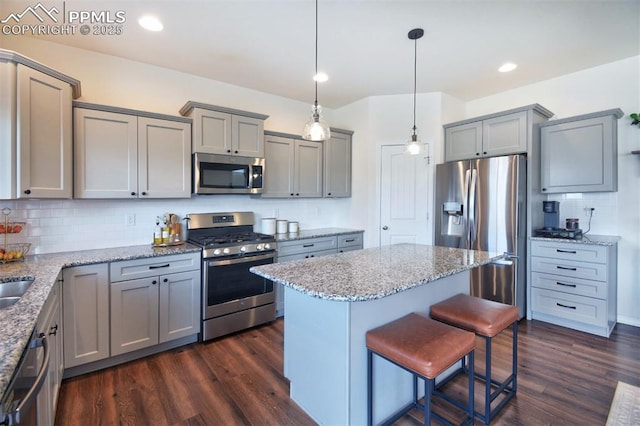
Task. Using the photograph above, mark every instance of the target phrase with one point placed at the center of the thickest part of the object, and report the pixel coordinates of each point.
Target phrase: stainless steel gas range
(232, 297)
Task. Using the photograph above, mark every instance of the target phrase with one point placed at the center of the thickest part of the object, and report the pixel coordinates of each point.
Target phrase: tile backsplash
(67, 225)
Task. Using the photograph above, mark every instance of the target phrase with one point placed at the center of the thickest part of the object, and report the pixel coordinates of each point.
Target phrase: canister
(293, 227)
(281, 226)
(268, 225)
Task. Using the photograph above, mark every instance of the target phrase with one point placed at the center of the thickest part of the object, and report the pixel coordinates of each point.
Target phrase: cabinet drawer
(308, 255)
(287, 248)
(349, 240)
(589, 288)
(569, 251)
(569, 306)
(153, 266)
(568, 268)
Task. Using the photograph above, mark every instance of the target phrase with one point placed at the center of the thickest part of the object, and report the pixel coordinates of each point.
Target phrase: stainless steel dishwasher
(19, 403)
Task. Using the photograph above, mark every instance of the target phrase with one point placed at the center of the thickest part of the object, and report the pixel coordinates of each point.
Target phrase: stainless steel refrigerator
(481, 205)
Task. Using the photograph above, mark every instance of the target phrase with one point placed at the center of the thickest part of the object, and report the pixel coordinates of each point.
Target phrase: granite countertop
(601, 240)
(315, 233)
(373, 273)
(17, 321)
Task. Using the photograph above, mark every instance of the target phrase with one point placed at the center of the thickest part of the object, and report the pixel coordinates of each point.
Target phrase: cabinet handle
(297, 195)
(166, 280)
(565, 306)
(154, 282)
(350, 240)
(292, 194)
(544, 189)
(144, 193)
(311, 255)
(235, 152)
(229, 151)
(565, 285)
(565, 268)
(53, 330)
(329, 194)
(485, 153)
(308, 245)
(133, 193)
(566, 251)
(306, 257)
(477, 153)
(166, 265)
(27, 191)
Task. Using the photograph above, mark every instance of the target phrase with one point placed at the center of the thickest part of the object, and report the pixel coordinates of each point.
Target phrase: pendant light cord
(415, 79)
(315, 77)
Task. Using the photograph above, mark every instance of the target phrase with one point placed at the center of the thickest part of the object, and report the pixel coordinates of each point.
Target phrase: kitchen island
(332, 301)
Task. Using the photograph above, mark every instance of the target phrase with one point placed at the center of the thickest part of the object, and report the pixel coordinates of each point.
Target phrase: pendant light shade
(316, 129)
(414, 146)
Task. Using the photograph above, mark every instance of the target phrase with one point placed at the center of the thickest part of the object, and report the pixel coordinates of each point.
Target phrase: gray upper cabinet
(130, 154)
(507, 132)
(337, 164)
(580, 154)
(35, 129)
(220, 130)
(293, 167)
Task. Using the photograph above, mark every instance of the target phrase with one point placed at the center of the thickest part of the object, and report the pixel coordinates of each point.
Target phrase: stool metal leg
(369, 387)
(514, 349)
(471, 374)
(429, 384)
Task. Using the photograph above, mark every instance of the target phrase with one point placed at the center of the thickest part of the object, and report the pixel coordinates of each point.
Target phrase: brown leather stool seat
(425, 348)
(487, 319)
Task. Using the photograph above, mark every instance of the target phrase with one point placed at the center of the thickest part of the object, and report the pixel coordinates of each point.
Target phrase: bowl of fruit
(14, 252)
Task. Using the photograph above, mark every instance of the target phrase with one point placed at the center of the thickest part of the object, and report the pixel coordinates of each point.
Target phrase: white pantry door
(404, 196)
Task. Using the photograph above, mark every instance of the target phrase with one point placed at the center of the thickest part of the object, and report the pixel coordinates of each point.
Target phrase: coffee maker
(552, 228)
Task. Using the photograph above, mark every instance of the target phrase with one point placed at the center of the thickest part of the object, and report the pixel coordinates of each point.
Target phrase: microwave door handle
(32, 394)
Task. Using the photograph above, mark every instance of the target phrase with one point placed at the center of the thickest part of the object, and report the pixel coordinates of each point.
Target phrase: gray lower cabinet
(575, 285)
(313, 247)
(85, 298)
(293, 167)
(50, 323)
(154, 301)
(580, 154)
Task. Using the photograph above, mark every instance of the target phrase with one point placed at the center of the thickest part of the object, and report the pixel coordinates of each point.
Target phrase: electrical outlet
(589, 211)
(130, 220)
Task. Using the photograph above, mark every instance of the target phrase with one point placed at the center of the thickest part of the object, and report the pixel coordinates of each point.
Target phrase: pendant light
(316, 129)
(413, 145)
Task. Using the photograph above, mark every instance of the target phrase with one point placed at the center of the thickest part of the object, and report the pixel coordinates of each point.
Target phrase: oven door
(229, 286)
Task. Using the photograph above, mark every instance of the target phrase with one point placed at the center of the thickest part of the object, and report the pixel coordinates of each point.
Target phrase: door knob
(384, 228)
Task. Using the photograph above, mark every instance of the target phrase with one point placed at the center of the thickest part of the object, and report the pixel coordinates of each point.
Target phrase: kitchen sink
(12, 291)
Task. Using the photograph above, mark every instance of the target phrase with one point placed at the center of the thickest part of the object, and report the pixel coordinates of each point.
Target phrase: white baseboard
(629, 321)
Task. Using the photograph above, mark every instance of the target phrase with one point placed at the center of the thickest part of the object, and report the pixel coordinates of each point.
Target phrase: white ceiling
(268, 45)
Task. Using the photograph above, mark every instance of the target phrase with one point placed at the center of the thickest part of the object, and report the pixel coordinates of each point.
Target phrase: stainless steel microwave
(227, 174)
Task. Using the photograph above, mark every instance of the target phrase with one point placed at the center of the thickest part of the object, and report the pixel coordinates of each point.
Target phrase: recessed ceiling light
(508, 66)
(320, 77)
(151, 23)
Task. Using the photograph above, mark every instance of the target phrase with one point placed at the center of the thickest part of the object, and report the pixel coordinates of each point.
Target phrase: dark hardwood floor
(565, 377)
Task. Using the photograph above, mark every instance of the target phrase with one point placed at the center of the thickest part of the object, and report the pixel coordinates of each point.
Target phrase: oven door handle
(244, 259)
(32, 394)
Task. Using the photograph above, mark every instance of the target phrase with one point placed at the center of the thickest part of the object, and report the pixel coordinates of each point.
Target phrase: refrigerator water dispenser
(452, 223)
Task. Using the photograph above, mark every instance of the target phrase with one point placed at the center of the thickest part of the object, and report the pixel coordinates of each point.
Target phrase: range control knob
(267, 246)
(243, 249)
(225, 250)
(259, 247)
(216, 252)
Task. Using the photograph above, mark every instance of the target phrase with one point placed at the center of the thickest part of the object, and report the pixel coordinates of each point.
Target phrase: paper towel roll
(268, 225)
(281, 226)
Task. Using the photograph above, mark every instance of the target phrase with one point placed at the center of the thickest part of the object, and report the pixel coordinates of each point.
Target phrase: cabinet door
(463, 142)
(247, 136)
(579, 156)
(308, 169)
(44, 136)
(505, 135)
(164, 158)
(211, 131)
(279, 166)
(134, 315)
(85, 298)
(106, 154)
(337, 166)
(179, 305)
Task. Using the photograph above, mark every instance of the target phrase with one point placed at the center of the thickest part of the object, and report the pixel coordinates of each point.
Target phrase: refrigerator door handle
(472, 206)
(467, 183)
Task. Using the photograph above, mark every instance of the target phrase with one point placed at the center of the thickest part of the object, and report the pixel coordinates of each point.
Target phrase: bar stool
(425, 348)
(486, 319)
